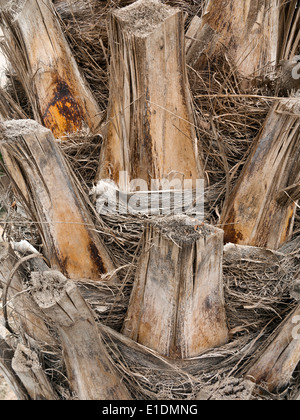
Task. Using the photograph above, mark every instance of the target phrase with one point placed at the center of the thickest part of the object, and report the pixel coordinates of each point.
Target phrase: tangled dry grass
(257, 291)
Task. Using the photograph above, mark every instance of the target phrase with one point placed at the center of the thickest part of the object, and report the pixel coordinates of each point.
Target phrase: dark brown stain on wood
(96, 258)
(231, 234)
(63, 114)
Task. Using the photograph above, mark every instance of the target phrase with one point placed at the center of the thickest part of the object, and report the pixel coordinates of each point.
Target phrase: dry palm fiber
(228, 121)
(227, 117)
(257, 290)
(257, 299)
(9, 109)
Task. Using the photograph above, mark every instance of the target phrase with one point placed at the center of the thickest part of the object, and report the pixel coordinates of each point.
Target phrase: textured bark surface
(248, 31)
(150, 127)
(177, 304)
(260, 211)
(61, 98)
(47, 188)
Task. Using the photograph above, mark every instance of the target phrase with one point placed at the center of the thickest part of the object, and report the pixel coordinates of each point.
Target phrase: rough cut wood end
(144, 16)
(177, 305)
